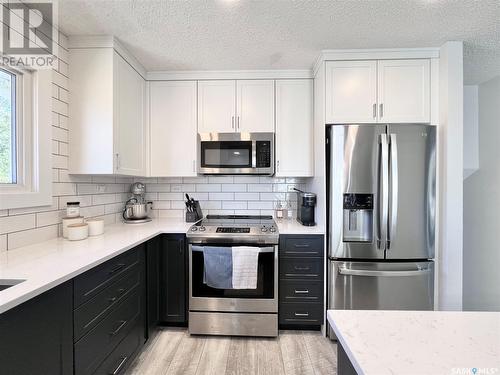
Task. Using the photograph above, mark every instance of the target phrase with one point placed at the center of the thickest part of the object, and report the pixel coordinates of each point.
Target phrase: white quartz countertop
(419, 342)
(292, 226)
(48, 264)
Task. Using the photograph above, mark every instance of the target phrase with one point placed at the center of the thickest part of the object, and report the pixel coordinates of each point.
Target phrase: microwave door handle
(393, 162)
(254, 154)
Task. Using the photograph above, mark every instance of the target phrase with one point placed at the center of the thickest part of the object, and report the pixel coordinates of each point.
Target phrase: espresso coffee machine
(305, 208)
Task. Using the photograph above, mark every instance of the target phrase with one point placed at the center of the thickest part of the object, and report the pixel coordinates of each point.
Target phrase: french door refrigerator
(381, 222)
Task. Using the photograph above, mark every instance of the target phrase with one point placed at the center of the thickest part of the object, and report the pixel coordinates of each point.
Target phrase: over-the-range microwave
(236, 153)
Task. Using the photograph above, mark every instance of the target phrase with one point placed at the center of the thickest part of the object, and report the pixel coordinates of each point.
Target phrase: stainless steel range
(229, 308)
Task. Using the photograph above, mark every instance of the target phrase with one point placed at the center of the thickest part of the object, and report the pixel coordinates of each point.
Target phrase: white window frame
(33, 186)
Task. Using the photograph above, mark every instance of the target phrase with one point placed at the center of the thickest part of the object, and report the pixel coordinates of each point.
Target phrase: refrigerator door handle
(353, 272)
(383, 209)
(393, 162)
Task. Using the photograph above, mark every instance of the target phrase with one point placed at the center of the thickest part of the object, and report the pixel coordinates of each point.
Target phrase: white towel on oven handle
(245, 265)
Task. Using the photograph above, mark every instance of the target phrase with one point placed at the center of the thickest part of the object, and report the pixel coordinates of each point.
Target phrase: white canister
(68, 221)
(78, 232)
(96, 227)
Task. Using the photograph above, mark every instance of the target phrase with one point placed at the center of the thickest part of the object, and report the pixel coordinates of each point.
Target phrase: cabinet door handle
(374, 110)
(278, 165)
(122, 324)
(381, 110)
(117, 161)
(301, 314)
(297, 268)
(232, 122)
(119, 367)
(302, 291)
(194, 165)
(238, 122)
(117, 268)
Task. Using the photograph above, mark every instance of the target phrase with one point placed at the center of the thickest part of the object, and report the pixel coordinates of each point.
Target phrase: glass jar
(73, 209)
(278, 210)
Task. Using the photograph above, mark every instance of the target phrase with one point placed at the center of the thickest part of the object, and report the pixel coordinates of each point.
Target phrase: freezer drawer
(381, 285)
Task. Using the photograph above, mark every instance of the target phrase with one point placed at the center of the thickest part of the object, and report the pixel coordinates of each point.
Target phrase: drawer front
(94, 281)
(123, 355)
(305, 246)
(301, 291)
(303, 268)
(92, 312)
(301, 313)
(103, 338)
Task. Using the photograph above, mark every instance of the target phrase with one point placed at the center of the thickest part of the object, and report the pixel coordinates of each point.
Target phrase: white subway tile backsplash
(260, 187)
(103, 179)
(246, 196)
(59, 161)
(246, 179)
(30, 237)
(3, 242)
(272, 196)
(170, 180)
(64, 176)
(208, 187)
(211, 205)
(156, 188)
(65, 188)
(16, 223)
(49, 218)
(260, 205)
(92, 211)
(220, 179)
(87, 189)
(221, 196)
(164, 205)
(103, 199)
(234, 187)
(113, 208)
(59, 134)
(234, 205)
(195, 180)
(170, 196)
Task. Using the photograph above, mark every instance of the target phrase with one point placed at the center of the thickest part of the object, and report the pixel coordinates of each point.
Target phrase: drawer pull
(121, 290)
(302, 246)
(122, 324)
(302, 291)
(297, 268)
(119, 367)
(112, 299)
(301, 314)
(117, 268)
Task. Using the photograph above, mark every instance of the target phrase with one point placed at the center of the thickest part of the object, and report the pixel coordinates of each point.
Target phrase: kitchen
(192, 206)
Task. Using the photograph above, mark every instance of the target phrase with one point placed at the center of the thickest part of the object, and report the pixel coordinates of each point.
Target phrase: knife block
(196, 215)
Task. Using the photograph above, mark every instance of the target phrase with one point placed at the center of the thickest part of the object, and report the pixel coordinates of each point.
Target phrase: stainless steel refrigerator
(381, 222)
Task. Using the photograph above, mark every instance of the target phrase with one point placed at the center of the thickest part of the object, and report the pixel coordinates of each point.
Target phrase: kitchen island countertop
(419, 342)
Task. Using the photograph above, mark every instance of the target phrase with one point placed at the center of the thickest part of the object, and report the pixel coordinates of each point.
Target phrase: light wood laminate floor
(174, 351)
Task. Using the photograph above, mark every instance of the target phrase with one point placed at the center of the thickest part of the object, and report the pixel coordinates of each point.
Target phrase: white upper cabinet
(404, 91)
(107, 114)
(172, 115)
(294, 128)
(351, 91)
(216, 106)
(130, 125)
(255, 106)
(383, 91)
(236, 106)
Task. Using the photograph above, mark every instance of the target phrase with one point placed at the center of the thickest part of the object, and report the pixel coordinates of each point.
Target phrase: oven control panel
(232, 230)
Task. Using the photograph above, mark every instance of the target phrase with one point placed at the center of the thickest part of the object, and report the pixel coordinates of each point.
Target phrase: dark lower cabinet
(301, 263)
(153, 247)
(173, 279)
(36, 337)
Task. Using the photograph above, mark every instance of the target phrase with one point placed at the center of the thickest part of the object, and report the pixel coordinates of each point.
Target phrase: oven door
(262, 299)
(236, 153)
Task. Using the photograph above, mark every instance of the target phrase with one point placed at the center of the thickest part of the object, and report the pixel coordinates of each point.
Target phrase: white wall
(449, 256)
(481, 266)
(471, 136)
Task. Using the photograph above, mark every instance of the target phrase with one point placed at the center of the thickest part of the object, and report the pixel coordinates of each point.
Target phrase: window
(8, 125)
(25, 136)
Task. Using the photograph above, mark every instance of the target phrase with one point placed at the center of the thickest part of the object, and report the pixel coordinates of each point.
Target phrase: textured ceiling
(272, 34)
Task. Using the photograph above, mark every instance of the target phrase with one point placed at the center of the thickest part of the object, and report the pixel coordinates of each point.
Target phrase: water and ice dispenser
(358, 217)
